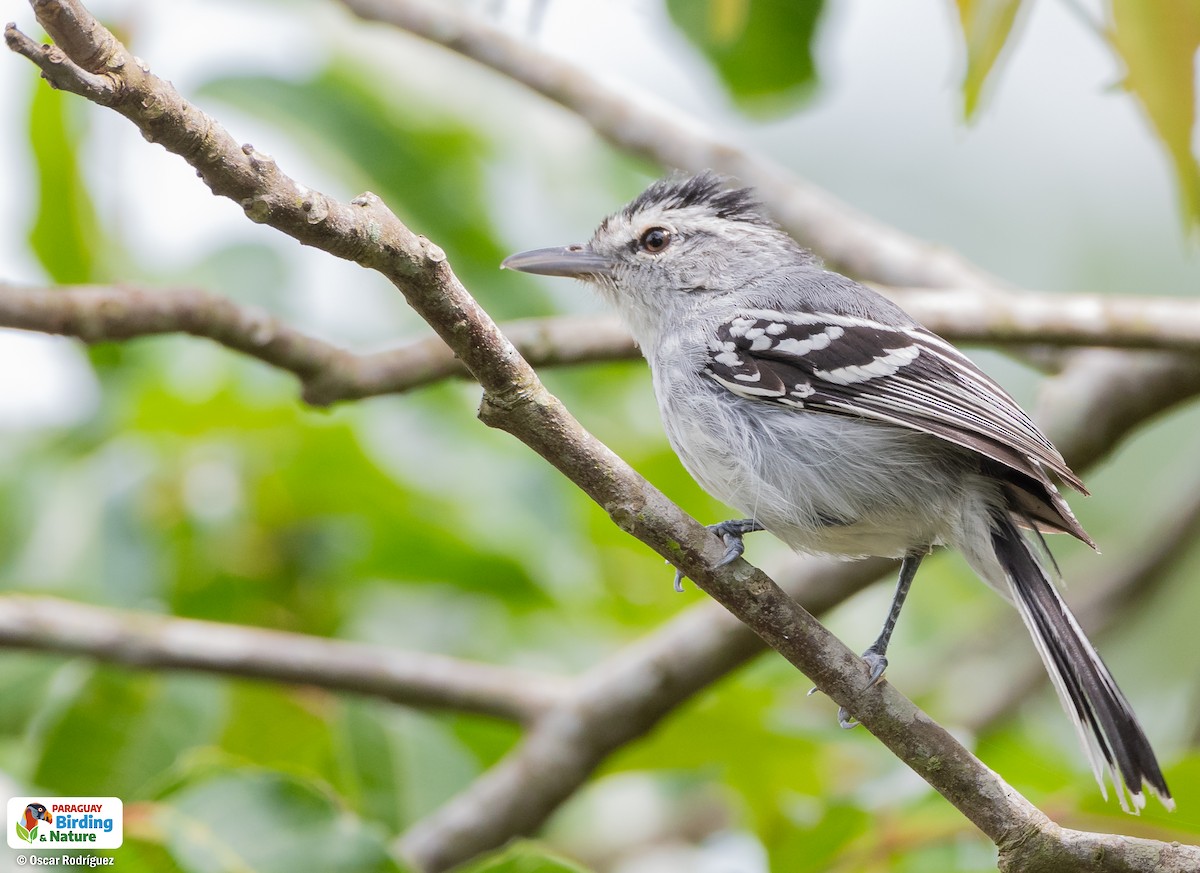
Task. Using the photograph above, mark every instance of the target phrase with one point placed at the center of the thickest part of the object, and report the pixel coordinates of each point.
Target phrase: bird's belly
(822, 483)
(855, 540)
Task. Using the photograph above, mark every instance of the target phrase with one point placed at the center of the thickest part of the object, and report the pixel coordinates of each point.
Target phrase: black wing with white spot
(904, 376)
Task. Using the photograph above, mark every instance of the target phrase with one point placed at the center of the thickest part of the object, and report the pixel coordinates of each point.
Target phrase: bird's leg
(876, 655)
(731, 533)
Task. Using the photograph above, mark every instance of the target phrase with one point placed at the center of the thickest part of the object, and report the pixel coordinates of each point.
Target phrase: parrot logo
(28, 823)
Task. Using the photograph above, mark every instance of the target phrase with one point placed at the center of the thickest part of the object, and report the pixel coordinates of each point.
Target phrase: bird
(834, 420)
(34, 813)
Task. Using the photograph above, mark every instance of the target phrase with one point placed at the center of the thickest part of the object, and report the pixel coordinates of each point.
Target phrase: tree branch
(1069, 320)
(153, 641)
(326, 372)
(1088, 408)
(513, 399)
(329, 374)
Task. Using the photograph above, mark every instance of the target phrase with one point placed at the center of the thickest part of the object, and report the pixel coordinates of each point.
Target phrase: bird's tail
(1104, 720)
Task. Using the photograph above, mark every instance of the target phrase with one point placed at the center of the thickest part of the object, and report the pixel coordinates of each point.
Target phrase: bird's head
(681, 240)
(34, 813)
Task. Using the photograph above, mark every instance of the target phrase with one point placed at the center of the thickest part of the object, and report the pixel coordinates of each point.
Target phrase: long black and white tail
(1107, 726)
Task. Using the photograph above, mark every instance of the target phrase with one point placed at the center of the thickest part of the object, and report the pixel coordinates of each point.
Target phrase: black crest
(706, 189)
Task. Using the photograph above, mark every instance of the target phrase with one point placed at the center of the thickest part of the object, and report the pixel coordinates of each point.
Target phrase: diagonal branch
(513, 399)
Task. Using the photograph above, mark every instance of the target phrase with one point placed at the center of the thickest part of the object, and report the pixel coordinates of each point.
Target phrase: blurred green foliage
(762, 50)
(201, 487)
(65, 235)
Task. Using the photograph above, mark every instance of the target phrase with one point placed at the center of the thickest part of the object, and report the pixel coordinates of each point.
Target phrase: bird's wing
(903, 375)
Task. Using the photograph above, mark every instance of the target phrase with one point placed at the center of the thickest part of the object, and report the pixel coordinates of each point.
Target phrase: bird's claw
(878, 664)
(731, 533)
(731, 536)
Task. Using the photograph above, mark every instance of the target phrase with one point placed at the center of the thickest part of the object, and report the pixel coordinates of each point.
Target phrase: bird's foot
(731, 533)
(878, 664)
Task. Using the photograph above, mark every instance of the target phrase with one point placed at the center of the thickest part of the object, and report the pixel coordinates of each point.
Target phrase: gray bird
(832, 419)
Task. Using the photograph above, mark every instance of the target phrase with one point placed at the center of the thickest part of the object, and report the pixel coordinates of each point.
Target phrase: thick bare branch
(154, 641)
(366, 232)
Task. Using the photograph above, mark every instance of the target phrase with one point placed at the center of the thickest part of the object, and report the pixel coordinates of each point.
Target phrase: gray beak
(577, 261)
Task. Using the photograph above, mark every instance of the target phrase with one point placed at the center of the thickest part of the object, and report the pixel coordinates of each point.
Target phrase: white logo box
(74, 822)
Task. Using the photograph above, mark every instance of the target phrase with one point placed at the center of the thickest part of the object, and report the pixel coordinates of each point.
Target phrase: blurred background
(172, 476)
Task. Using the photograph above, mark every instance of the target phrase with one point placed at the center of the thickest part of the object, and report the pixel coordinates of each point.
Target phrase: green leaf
(281, 728)
(65, 234)
(23, 681)
(374, 774)
(24, 834)
(121, 732)
(525, 857)
(1157, 43)
(986, 25)
(761, 49)
(263, 822)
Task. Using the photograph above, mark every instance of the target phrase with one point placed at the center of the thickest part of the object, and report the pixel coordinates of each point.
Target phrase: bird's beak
(577, 261)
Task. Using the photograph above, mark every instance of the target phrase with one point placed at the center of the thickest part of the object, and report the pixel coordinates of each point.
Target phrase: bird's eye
(655, 240)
